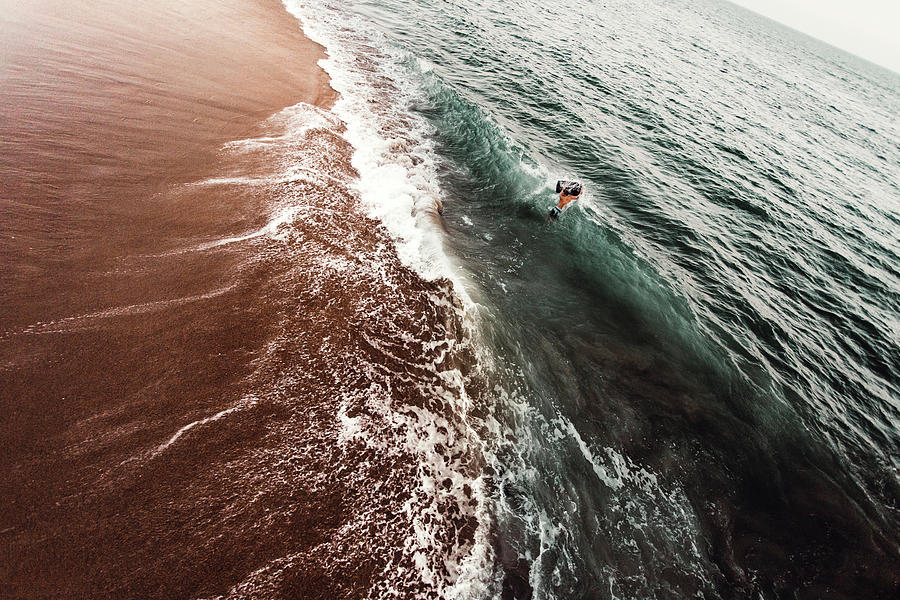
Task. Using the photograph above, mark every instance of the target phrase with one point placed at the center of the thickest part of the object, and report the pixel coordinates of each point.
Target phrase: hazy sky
(866, 28)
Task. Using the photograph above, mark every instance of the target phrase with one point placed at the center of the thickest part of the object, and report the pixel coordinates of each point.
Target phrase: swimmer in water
(569, 191)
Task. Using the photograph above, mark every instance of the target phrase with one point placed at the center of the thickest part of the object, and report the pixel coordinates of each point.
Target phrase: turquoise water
(697, 368)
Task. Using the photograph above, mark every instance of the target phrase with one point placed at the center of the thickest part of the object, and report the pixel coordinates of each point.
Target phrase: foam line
(219, 415)
(58, 325)
(393, 156)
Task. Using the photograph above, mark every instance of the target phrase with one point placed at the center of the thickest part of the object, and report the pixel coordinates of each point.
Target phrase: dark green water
(698, 367)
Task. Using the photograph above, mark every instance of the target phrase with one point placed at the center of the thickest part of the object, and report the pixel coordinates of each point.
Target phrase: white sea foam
(401, 194)
(398, 186)
(76, 322)
(393, 155)
(243, 404)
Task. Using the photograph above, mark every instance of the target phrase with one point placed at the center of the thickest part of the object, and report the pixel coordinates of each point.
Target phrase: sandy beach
(106, 104)
(187, 317)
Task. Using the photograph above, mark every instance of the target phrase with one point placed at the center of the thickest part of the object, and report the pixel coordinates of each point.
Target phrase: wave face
(692, 378)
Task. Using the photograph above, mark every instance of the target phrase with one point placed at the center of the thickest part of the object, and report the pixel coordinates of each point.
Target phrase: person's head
(572, 188)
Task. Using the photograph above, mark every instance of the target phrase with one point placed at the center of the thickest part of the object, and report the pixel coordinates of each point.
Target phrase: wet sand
(105, 104)
(201, 398)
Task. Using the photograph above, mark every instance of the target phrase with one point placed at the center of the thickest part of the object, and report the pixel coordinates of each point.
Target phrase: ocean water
(339, 352)
(689, 385)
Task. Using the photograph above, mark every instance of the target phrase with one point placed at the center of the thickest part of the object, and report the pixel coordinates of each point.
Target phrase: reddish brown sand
(168, 408)
(106, 102)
